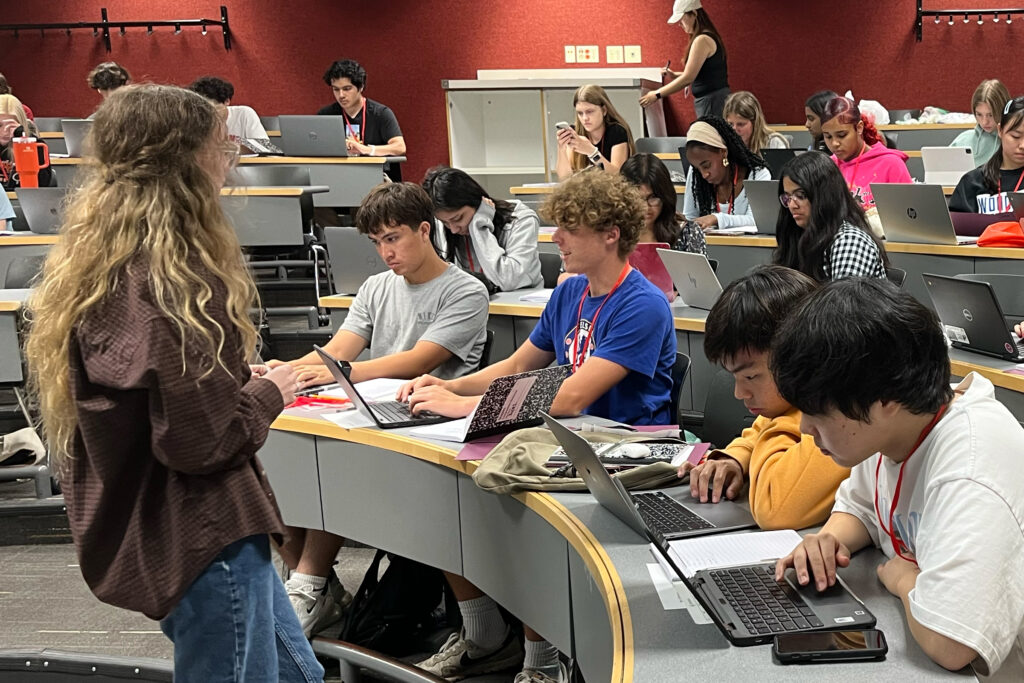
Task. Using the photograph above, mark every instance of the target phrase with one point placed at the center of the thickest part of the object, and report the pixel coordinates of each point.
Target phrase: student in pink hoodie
(859, 150)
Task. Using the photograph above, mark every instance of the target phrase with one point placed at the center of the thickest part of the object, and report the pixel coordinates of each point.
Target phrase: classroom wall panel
(781, 51)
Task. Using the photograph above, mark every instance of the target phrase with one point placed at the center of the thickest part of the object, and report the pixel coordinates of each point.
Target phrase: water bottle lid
(25, 138)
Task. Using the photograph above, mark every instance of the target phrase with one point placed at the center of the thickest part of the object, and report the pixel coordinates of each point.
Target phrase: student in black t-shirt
(985, 189)
(600, 136)
(371, 127)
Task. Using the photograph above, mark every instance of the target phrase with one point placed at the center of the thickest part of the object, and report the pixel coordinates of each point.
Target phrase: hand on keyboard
(441, 401)
(713, 477)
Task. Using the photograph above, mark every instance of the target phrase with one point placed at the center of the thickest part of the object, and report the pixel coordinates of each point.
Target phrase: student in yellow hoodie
(792, 483)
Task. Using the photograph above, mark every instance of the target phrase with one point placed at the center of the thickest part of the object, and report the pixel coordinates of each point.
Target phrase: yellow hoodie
(792, 483)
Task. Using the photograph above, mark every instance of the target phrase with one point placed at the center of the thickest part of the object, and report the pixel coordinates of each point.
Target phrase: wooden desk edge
(10, 306)
(568, 525)
(999, 378)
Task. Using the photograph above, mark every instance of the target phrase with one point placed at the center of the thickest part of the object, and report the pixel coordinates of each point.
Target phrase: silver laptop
(972, 317)
(946, 165)
(652, 512)
(353, 258)
(313, 136)
(693, 277)
(75, 131)
(763, 198)
(43, 208)
(915, 213)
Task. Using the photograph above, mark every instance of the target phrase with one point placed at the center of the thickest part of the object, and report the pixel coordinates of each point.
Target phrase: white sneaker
(459, 657)
(530, 676)
(317, 609)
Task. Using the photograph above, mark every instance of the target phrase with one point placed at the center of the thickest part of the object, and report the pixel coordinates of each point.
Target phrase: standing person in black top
(599, 137)
(371, 127)
(705, 70)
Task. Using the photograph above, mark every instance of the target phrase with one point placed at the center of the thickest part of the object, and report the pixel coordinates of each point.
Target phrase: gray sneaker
(317, 609)
(459, 657)
(530, 676)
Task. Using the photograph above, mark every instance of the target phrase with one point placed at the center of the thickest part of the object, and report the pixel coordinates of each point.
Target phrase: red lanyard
(732, 197)
(898, 545)
(856, 166)
(1019, 181)
(469, 255)
(361, 136)
(577, 361)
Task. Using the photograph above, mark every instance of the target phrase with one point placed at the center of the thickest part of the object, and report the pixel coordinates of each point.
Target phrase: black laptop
(385, 414)
(972, 318)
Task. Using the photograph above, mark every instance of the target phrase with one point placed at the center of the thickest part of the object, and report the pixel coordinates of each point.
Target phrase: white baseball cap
(681, 7)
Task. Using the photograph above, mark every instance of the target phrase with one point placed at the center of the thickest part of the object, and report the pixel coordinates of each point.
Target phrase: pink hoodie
(878, 164)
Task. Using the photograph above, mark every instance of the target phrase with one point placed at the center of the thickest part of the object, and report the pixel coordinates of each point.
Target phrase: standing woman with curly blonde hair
(139, 354)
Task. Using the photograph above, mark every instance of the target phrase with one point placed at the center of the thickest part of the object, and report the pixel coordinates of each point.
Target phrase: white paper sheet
(349, 419)
(674, 594)
(742, 230)
(726, 550)
(540, 296)
(444, 431)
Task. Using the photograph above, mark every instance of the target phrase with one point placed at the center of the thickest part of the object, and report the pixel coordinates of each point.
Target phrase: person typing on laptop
(422, 315)
(792, 483)
(936, 482)
(616, 331)
(371, 128)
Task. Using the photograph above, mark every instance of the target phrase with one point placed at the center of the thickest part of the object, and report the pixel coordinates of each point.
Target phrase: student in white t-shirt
(243, 122)
(936, 480)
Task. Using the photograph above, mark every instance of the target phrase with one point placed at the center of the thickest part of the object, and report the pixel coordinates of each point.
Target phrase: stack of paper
(726, 550)
(539, 296)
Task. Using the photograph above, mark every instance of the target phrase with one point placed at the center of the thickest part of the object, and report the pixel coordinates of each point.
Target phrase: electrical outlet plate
(587, 54)
(613, 54)
(570, 54)
(632, 54)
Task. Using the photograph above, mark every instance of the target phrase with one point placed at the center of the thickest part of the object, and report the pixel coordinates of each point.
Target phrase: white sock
(541, 656)
(317, 582)
(483, 623)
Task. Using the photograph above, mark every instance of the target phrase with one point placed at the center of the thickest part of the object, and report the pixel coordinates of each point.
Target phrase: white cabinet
(501, 126)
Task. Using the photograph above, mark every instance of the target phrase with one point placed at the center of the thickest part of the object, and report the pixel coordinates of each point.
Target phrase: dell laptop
(971, 316)
(353, 258)
(385, 414)
(693, 276)
(75, 131)
(43, 208)
(313, 136)
(916, 214)
(763, 198)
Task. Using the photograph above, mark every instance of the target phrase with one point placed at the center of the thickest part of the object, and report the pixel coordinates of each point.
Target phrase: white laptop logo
(968, 316)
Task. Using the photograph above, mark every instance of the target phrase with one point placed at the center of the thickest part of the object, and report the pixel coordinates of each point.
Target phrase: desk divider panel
(502, 539)
(392, 501)
(290, 462)
(591, 631)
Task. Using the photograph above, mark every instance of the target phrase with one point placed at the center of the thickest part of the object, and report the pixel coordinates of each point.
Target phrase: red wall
(280, 50)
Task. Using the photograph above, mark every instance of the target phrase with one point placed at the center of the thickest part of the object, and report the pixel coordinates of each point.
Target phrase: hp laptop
(763, 197)
(775, 159)
(645, 259)
(946, 165)
(43, 208)
(353, 258)
(915, 213)
(74, 135)
(650, 512)
(385, 414)
(510, 402)
(694, 279)
(971, 316)
(313, 136)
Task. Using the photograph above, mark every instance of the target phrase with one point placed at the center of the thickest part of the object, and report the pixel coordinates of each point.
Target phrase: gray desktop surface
(668, 646)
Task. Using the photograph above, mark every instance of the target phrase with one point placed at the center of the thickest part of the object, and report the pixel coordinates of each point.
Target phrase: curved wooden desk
(593, 598)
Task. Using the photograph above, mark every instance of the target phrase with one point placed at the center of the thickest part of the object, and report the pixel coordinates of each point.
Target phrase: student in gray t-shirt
(423, 315)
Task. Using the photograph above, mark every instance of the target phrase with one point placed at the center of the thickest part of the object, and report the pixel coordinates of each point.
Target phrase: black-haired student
(719, 163)
(494, 239)
(936, 481)
(792, 483)
(662, 222)
(371, 128)
(822, 230)
(986, 188)
(814, 111)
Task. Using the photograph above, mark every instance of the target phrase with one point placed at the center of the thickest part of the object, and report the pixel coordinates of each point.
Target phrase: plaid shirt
(853, 254)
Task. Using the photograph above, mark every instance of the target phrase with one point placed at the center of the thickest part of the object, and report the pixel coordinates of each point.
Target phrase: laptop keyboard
(397, 411)
(665, 516)
(763, 604)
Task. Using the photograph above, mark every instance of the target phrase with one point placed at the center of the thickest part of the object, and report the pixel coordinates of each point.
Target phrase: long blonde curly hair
(143, 194)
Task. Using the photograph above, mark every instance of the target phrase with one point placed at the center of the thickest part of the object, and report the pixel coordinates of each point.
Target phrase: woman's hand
(313, 375)
(437, 399)
(284, 376)
(648, 99)
(709, 222)
(7, 129)
(567, 137)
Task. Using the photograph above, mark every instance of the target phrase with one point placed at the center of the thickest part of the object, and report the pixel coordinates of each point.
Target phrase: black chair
(724, 415)
(896, 276)
(485, 354)
(713, 262)
(897, 115)
(679, 372)
(550, 268)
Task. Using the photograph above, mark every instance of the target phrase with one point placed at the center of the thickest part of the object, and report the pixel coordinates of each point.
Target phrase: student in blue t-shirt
(615, 329)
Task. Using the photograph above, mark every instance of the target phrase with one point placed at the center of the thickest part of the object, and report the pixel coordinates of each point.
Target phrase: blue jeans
(235, 623)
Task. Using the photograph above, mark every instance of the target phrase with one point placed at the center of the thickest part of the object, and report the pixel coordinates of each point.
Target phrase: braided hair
(738, 155)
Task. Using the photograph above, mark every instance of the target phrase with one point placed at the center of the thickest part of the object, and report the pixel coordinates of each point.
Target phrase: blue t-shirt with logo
(634, 329)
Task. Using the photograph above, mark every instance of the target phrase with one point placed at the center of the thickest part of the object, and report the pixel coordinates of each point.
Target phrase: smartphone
(562, 125)
(830, 646)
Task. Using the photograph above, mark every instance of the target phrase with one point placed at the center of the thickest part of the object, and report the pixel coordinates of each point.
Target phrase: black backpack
(395, 614)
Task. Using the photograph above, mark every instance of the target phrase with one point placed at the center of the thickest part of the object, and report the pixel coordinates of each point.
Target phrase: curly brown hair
(599, 201)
